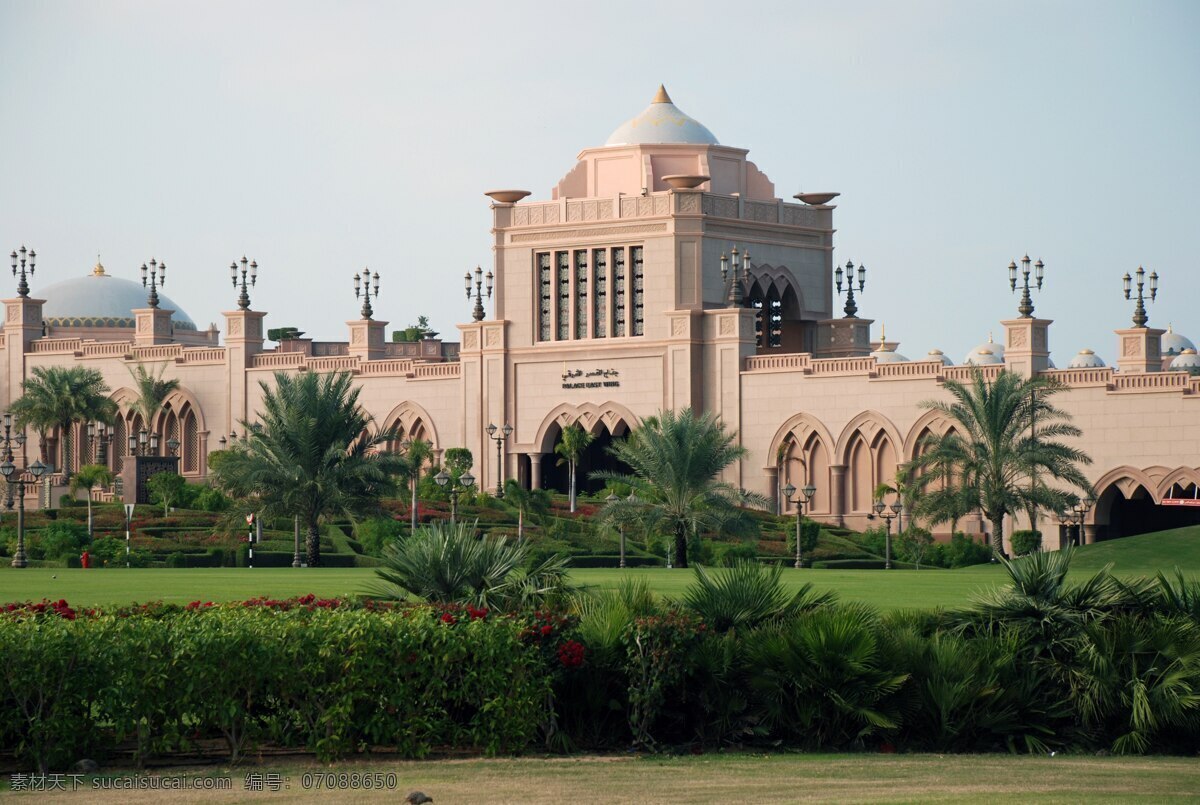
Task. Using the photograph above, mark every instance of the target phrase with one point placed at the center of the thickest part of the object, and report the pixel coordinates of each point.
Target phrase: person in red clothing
(85, 560)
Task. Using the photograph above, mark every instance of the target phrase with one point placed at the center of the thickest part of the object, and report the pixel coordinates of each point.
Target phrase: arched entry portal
(557, 477)
(1127, 507)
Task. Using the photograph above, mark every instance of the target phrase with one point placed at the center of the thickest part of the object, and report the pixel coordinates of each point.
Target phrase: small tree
(458, 461)
(915, 542)
(524, 501)
(88, 478)
(570, 449)
(167, 487)
(416, 456)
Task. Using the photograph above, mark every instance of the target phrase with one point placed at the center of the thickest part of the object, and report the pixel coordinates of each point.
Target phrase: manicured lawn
(717, 778)
(898, 589)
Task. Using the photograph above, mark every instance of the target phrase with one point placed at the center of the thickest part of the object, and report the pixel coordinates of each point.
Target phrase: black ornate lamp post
(1140, 317)
(172, 446)
(806, 494)
(7, 468)
(477, 314)
(20, 259)
(1081, 510)
(1026, 306)
(7, 454)
(464, 481)
(888, 513)
(851, 306)
(99, 437)
(244, 296)
(503, 434)
(739, 282)
(153, 277)
(364, 281)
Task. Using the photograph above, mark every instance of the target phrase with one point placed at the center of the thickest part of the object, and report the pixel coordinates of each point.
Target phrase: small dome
(1173, 343)
(983, 357)
(1086, 359)
(661, 122)
(887, 355)
(985, 353)
(101, 300)
(1187, 361)
(938, 355)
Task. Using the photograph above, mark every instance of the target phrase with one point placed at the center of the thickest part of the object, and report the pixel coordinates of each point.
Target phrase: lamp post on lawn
(806, 494)
(888, 513)
(464, 481)
(7, 468)
(296, 554)
(7, 454)
(499, 439)
(1081, 510)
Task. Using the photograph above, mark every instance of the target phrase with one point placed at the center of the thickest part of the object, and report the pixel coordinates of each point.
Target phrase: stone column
(1027, 350)
(1089, 533)
(535, 470)
(773, 485)
(153, 326)
(837, 493)
(1139, 350)
(366, 339)
(844, 338)
(22, 326)
(243, 340)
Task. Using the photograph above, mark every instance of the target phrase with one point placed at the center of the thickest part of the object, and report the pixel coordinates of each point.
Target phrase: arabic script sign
(593, 379)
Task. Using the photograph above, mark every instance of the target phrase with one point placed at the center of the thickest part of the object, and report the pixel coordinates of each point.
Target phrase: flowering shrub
(571, 654)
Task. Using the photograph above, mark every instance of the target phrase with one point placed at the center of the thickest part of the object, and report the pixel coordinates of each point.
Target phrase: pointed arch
(592, 417)
(870, 424)
(934, 423)
(800, 426)
(1182, 476)
(1126, 479)
(414, 421)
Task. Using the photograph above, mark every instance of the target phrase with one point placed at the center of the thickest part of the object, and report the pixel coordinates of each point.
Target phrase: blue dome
(661, 122)
(101, 300)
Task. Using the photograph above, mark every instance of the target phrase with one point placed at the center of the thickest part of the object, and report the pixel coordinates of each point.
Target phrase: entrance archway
(557, 477)
(1139, 513)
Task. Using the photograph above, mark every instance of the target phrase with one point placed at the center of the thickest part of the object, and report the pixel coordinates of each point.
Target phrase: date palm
(991, 465)
(89, 477)
(570, 449)
(312, 455)
(525, 502)
(417, 454)
(57, 397)
(677, 459)
(152, 391)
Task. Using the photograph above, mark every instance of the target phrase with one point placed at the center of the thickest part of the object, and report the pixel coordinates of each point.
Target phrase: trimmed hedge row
(329, 680)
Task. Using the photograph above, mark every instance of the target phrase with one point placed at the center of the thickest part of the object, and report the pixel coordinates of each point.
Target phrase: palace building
(663, 271)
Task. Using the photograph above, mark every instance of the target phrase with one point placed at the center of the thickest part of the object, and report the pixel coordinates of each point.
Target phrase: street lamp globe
(467, 479)
(442, 478)
(788, 491)
(809, 492)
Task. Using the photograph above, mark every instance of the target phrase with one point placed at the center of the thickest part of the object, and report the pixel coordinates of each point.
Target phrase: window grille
(564, 295)
(544, 296)
(600, 297)
(638, 295)
(581, 294)
(619, 302)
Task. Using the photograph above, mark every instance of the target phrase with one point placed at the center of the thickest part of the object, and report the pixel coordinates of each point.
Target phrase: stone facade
(622, 296)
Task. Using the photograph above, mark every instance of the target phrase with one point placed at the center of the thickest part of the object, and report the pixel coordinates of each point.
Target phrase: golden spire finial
(661, 96)
(882, 332)
(98, 271)
(1170, 327)
(990, 341)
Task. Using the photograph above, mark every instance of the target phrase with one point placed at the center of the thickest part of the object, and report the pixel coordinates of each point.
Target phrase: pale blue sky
(321, 137)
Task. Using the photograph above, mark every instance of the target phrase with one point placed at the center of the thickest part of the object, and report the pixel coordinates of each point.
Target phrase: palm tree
(152, 391)
(990, 467)
(448, 564)
(88, 478)
(524, 501)
(57, 397)
(312, 455)
(570, 449)
(904, 489)
(676, 459)
(416, 455)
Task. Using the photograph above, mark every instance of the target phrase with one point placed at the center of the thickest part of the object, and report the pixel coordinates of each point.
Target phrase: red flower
(571, 654)
(448, 618)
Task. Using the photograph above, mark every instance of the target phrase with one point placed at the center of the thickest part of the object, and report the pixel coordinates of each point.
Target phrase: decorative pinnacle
(661, 96)
(20, 259)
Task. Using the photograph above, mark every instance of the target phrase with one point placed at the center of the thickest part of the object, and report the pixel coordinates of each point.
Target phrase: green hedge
(330, 681)
(859, 564)
(615, 561)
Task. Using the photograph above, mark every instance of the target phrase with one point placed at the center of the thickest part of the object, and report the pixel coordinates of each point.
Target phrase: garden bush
(963, 551)
(1026, 542)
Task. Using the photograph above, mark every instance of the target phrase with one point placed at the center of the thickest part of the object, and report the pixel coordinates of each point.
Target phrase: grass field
(898, 589)
(717, 778)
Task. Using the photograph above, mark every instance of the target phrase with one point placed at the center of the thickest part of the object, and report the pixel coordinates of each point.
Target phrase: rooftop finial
(98, 271)
(661, 96)
(882, 332)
